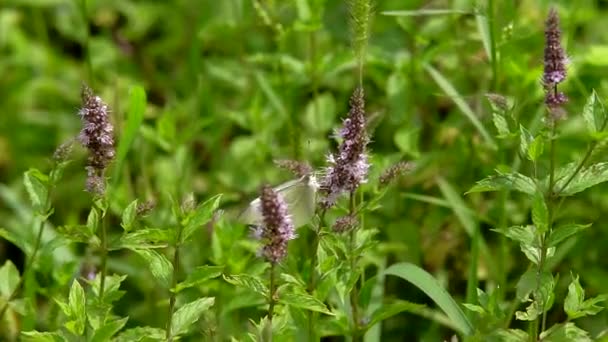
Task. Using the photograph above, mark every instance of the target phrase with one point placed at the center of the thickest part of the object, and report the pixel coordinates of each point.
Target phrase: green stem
(83, 9)
(104, 256)
(492, 29)
(173, 295)
(271, 302)
(550, 199)
(354, 294)
(312, 283)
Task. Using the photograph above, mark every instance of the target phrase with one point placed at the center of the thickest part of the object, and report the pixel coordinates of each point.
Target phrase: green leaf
(540, 214)
(78, 233)
(141, 333)
(429, 285)
(304, 301)
(201, 215)
(185, 316)
(92, 221)
(77, 308)
(36, 336)
(135, 116)
(535, 149)
(200, 275)
(594, 114)
(159, 265)
(320, 113)
(575, 304)
(501, 125)
(458, 99)
(109, 329)
(9, 279)
(532, 312)
(406, 139)
(145, 238)
(512, 335)
(36, 185)
(526, 284)
(424, 12)
(525, 235)
(390, 310)
(561, 233)
(586, 178)
(247, 281)
(567, 332)
(128, 216)
(505, 181)
(525, 139)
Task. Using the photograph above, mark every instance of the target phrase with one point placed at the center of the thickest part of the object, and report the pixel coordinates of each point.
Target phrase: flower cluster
(348, 166)
(277, 227)
(555, 62)
(97, 136)
(345, 224)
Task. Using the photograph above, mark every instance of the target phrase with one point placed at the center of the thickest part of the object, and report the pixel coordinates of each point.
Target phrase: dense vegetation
(426, 170)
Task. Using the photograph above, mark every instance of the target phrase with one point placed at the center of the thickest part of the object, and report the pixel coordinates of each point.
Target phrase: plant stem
(354, 294)
(312, 284)
(271, 302)
(104, 256)
(550, 200)
(173, 295)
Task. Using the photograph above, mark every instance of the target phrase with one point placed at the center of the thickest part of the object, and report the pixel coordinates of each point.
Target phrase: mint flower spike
(97, 135)
(348, 167)
(555, 61)
(277, 227)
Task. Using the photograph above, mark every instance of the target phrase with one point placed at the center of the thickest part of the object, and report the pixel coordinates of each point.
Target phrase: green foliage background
(232, 85)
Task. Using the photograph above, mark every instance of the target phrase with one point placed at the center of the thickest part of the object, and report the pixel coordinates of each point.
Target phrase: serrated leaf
(567, 332)
(525, 235)
(77, 307)
(390, 310)
(141, 333)
(563, 232)
(475, 308)
(247, 281)
(36, 336)
(586, 178)
(535, 149)
(505, 181)
(540, 214)
(594, 114)
(200, 275)
(575, 304)
(201, 215)
(185, 316)
(78, 233)
(145, 238)
(525, 139)
(512, 335)
(9, 279)
(128, 216)
(501, 125)
(33, 180)
(93, 221)
(159, 265)
(109, 329)
(304, 301)
(526, 284)
(532, 312)
(429, 285)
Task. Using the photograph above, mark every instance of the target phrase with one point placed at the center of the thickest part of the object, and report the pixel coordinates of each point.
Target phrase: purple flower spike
(97, 135)
(277, 227)
(349, 166)
(555, 61)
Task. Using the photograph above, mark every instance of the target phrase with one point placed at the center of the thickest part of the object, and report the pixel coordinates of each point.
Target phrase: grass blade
(429, 285)
(451, 92)
(135, 116)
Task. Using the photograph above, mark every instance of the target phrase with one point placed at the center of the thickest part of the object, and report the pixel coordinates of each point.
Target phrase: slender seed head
(277, 228)
(97, 135)
(345, 224)
(394, 171)
(298, 168)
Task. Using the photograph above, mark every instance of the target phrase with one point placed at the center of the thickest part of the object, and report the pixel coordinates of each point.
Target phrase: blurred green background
(234, 84)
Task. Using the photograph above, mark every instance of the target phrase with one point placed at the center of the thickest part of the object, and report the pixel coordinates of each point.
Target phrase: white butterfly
(300, 196)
